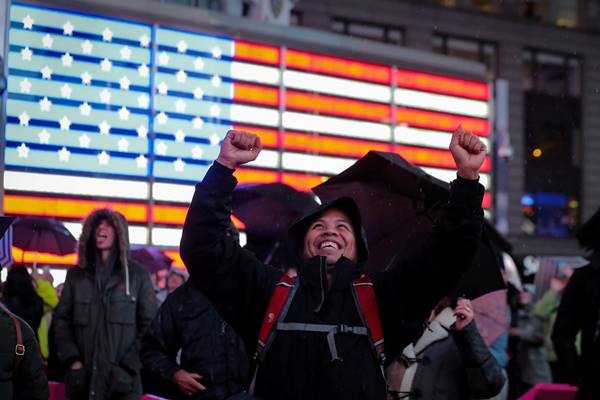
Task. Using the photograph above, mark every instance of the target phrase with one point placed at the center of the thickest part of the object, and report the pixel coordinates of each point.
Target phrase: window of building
(551, 73)
(368, 30)
(475, 50)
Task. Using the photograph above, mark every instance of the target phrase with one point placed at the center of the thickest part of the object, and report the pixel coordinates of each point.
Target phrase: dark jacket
(102, 328)
(579, 311)
(298, 364)
(187, 321)
(446, 364)
(30, 381)
(31, 310)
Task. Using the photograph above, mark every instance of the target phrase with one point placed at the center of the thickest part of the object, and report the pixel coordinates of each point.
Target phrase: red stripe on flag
(336, 146)
(252, 175)
(442, 84)
(432, 157)
(255, 94)
(256, 52)
(441, 121)
(322, 104)
(301, 181)
(268, 137)
(321, 64)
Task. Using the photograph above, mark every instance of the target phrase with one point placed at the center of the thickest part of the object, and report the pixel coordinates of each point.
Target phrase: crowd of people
(322, 329)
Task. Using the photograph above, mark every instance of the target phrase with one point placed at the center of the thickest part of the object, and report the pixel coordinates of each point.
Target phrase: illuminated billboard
(103, 111)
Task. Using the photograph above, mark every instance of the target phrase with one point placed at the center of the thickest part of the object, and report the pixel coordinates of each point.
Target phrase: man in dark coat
(330, 254)
(106, 305)
(579, 311)
(188, 340)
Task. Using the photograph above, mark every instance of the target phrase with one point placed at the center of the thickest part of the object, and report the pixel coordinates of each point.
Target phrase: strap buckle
(20, 350)
(343, 328)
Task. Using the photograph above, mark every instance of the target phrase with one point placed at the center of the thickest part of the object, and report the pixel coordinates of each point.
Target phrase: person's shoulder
(75, 272)
(136, 269)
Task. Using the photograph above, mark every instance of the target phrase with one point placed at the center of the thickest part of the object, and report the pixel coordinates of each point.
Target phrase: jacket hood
(87, 246)
(298, 229)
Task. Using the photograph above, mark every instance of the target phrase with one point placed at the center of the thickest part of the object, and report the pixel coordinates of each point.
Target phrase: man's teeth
(329, 244)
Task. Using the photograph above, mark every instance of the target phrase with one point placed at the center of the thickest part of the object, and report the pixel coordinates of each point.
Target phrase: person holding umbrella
(323, 342)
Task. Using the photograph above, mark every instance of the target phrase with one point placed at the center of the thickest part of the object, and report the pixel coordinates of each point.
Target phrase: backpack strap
(366, 304)
(19, 346)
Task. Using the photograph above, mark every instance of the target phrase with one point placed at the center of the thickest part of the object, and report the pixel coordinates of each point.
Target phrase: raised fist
(468, 152)
(239, 148)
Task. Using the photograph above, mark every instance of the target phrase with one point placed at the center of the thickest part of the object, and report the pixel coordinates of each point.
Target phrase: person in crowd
(579, 312)
(190, 345)
(449, 361)
(319, 347)
(43, 287)
(175, 278)
(106, 305)
(20, 297)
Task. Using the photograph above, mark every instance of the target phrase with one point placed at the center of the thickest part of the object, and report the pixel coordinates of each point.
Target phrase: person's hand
(187, 383)
(76, 365)
(464, 313)
(468, 152)
(239, 148)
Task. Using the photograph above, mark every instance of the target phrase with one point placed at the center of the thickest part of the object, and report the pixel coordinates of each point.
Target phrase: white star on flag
(24, 119)
(198, 93)
(142, 131)
(124, 82)
(179, 136)
(26, 54)
(67, 60)
(123, 113)
(25, 86)
(103, 158)
(198, 64)
(87, 47)
(162, 118)
(144, 40)
(143, 70)
(45, 104)
(84, 141)
(181, 76)
(182, 46)
(47, 41)
(141, 161)
(179, 165)
(64, 123)
(46, 72)
(123, 144)
(105, 96)
(125, 52)
(163, 58)
(216, 52)
(197, 152)
(44, 136)
(216, 81)
(64, 154)
(215, 139)
(163, 88)
(68, 28)
(161, 149)
(215, 110)
(197, 123)
(107, 34)
(104, 128)
(23, 151)
(65, 91)
(86, 78)
(180, 106)
(143, 100)
(28, 22)
(106, 65)
(85, 109)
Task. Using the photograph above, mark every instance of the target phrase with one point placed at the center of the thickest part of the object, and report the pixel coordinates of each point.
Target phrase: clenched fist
(468, 152)
(239, 148)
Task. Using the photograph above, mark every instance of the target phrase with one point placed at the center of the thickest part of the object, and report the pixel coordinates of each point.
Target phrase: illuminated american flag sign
(103, 111)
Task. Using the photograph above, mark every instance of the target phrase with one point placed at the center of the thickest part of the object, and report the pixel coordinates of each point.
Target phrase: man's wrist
(226, 163)
(469, 174)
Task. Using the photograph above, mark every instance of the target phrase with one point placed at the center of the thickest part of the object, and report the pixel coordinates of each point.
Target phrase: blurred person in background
(175, 278)
(106, 305)
(579, 312)
(43, 287)
(20, 297)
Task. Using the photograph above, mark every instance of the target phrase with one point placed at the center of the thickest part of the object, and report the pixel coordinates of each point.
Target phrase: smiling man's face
(331, 235)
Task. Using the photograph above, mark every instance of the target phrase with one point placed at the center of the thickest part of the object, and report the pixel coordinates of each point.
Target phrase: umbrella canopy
(491, 315)
(151, 258)
(43, 235)
(5, 223)
(5, 241)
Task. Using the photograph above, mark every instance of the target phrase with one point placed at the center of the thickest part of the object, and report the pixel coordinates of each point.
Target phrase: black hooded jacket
(298, 364)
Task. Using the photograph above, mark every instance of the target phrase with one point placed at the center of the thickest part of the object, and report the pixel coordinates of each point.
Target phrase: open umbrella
(43, 235)
(5, 241)
(151, 258)
(491, 315)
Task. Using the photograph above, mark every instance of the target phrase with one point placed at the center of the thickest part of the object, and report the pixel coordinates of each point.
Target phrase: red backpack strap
(366, 303)
(276, 311)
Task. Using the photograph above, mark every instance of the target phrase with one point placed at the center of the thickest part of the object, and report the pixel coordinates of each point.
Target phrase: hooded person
(579, 311)
(320, 347)
(106, 305)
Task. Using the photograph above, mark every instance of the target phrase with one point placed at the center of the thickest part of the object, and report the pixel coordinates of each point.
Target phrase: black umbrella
(5, 223)
(43, 235)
